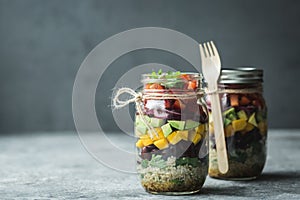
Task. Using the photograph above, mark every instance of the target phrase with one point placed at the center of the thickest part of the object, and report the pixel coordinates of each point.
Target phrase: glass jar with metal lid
(245, 124)
(171, 126)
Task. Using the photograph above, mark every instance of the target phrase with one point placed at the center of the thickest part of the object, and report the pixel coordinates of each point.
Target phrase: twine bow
(137, 98)
(118, 103)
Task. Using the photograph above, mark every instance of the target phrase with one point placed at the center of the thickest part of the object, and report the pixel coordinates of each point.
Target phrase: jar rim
(241, 75)
(147, 78)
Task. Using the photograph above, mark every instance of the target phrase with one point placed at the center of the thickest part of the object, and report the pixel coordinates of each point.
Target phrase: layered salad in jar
(172, 159)
(245, 128)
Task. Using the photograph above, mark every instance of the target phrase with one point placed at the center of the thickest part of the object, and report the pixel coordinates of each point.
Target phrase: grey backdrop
(42, 44)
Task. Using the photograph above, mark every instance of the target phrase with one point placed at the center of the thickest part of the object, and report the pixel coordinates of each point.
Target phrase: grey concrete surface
(56, 166)
(43, 44)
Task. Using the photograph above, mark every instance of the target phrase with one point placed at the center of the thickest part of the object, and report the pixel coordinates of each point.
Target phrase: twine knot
(135, 97)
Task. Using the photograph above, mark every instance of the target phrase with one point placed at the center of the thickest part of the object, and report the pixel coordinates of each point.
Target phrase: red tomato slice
(156, 86)
(168, 104)
(185, 76)
(147, 86)
(192, 85)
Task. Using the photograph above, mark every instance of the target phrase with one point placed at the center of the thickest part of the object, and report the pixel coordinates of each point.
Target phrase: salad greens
(188, 161)
(167, 75)
(156, 161)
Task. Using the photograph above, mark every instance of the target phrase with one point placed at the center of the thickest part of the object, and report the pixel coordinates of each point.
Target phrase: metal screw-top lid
(241, 75)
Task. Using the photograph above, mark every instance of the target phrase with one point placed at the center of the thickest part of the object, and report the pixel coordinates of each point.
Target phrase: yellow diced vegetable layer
(139, 144)
(200, 129)
(229, 131)
(192, 135)
(183, 134)
(159, 133)
(174, 138)
(239, 124)
(146, 140)
(162, 143)
(197, 138)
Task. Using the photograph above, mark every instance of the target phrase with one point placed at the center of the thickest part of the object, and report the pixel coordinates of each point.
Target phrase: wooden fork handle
(219, 133)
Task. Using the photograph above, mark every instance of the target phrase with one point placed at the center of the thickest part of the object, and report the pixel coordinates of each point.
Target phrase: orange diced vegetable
(147, 86)
(234, 100)
(244, 101)
(185, 76)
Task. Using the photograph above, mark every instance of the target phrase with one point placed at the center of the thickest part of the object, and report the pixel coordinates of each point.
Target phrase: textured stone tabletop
(57, 166)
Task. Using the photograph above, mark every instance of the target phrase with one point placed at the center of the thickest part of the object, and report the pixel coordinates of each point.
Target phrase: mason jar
(171, 126)
(245, 124)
